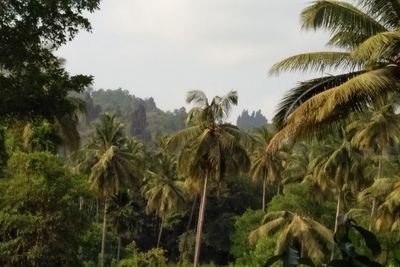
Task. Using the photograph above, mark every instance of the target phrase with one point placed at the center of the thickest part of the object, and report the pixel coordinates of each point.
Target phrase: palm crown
(368, 38)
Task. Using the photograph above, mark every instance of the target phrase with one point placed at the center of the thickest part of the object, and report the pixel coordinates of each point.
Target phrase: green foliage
(244, 224)
(33, 80)
(40, 220)
(89, 248)
(153, 257)
(296, 198)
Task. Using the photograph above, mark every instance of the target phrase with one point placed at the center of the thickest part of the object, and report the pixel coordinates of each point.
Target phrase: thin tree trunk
(97, 209)
(338, 210)
(119, 248)
(187, 230)
(373, 209)
(279, 188)
(80, 203)
(160, 232)
(200, 223)
(103, 239)
(264, 194)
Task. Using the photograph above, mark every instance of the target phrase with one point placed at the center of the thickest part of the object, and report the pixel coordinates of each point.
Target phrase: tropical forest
(101, 177)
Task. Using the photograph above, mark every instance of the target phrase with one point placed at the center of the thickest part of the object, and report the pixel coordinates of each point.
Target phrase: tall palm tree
(113, 160)
(341, 166)
(163, 191)
(121, 211)
(375, 132)
(368, 38)
(263, 166)
(209, 148)
(312, 239)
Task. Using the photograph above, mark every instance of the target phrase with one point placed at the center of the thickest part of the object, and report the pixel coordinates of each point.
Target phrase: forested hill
(142, 118)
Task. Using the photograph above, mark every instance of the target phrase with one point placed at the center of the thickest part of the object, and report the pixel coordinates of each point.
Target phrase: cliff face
(254, 120)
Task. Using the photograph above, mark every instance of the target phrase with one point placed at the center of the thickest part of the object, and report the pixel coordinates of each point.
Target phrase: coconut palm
(374, 133)
(55, 133)
(164, 193)
(389, 211)
(339, 166)
(312, 239)
(113, 161)
(368, 38)
(209, 148)
(121, 211)
(40, 137)
(263, 166)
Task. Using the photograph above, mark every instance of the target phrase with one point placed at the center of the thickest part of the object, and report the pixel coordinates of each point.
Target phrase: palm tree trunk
(264, 194)
(103, 239)
(200, 223)
(279, 188)
(338, 210)
(187, 230)
(160, 232)
(97, 209)
(337, 217)
(119, 248)
(80, 203)
(373, 209)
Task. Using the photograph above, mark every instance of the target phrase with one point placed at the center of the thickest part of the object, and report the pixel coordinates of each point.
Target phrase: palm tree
(41, 136)
(375, 132)
(312, 239)
(114, 162)
(368, 37)
(208, 147)
(263, 166)
(162, 190)
(121, 211)
(389, 211)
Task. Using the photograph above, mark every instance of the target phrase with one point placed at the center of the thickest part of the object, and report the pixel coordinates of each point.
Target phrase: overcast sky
(164, 48)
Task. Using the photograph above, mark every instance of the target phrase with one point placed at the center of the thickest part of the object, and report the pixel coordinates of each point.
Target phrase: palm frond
(266, 229)
(317, 62)
(306, 90)
(320, 112)
(176, 141)
(347, 40)
(387, 11)
(339, 16)
(380, 47)
(379, 189)
(197, 97)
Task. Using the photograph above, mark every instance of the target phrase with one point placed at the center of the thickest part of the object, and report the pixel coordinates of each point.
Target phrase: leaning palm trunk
(200, 223)
(187, 230)
(103, 239)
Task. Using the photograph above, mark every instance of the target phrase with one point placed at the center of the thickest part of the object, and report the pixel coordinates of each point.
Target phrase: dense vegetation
(102, 178)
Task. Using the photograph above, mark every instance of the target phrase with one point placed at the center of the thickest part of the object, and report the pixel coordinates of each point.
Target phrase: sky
(164, 48)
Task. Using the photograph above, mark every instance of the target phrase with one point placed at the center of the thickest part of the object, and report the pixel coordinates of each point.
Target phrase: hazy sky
(163, 48)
